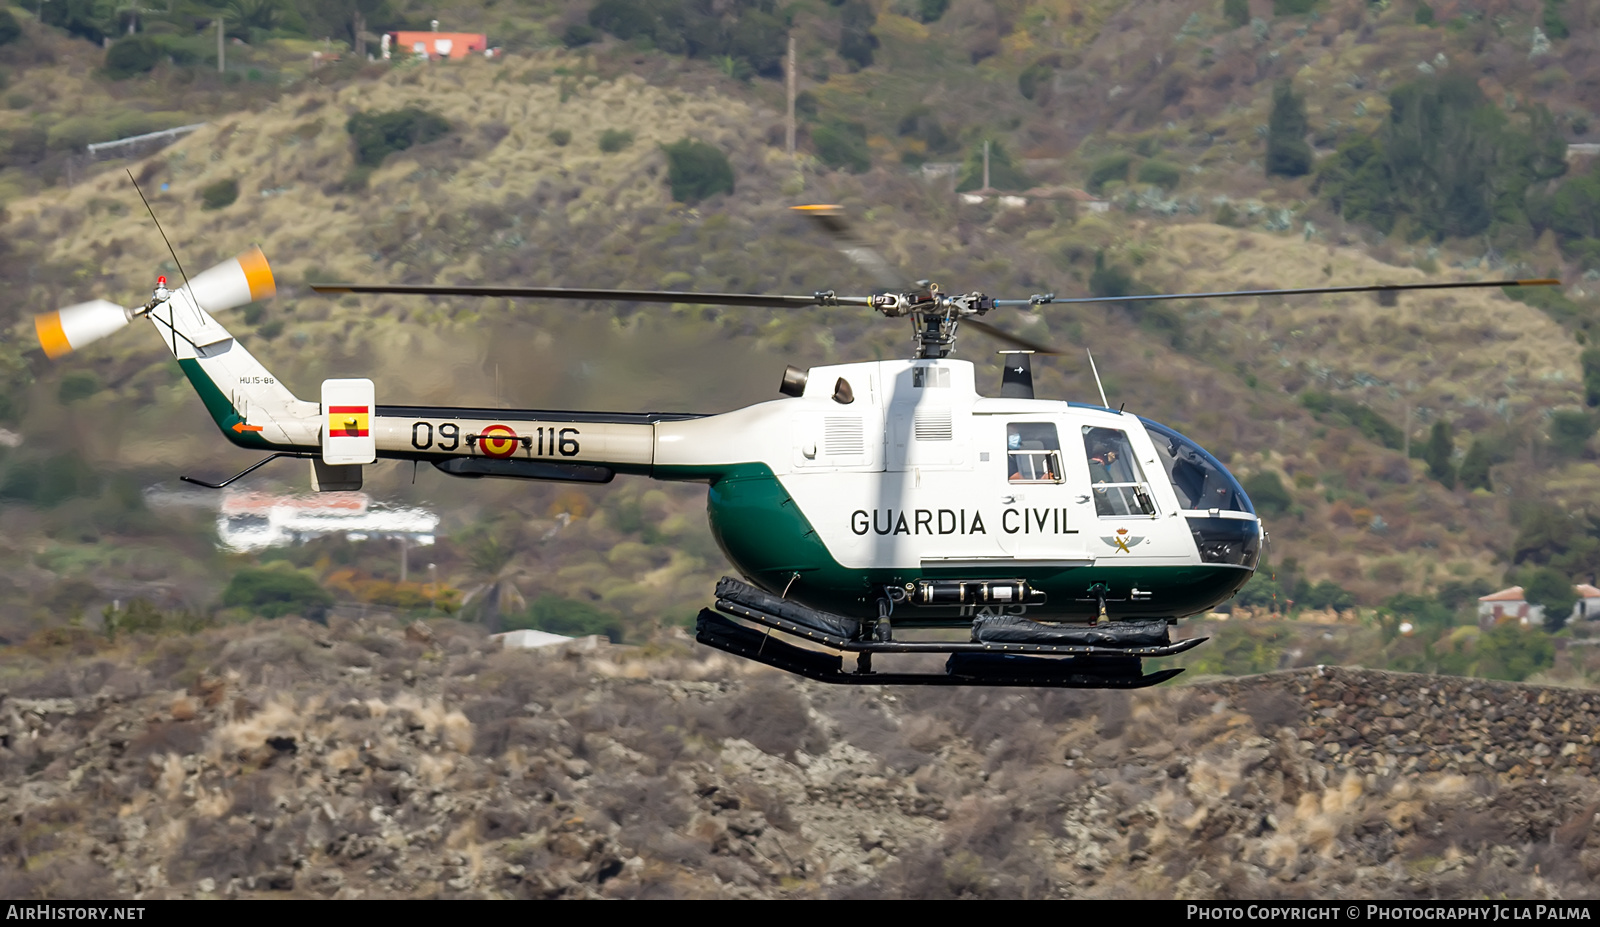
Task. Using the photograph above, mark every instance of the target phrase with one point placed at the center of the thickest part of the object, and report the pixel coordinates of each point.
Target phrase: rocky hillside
(365, 760)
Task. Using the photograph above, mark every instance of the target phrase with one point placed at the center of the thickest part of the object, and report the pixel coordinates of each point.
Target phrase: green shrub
(1509, 651)
(1570, 431)
(1236, 12)
(78, 384)
(614, 140)
(379, 134)
(1110, 279)
(47, 482)
(625, 19)
(1267, 492)
(10, 30)
(1339, 410)
(560, 138)
(1106, 169)
(220, 194)
(1424, 15)
(565, 616)
(135, 54)
(1292, 7)
(275, 593)
(579, 34)
(1036, 75)
(1163, 174)
(697, 171)
(842, 146)
(1328, 594)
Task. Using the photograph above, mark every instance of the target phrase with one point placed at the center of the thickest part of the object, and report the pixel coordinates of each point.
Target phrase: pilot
(1101, 460)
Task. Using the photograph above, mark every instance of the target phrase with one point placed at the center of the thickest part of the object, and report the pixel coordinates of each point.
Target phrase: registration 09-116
(547, 442)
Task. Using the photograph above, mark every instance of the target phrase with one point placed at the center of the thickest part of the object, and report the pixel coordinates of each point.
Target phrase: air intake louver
(842, 437)
(934, 426)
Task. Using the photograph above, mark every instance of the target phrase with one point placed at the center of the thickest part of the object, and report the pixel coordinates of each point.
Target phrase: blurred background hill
(1407, 457)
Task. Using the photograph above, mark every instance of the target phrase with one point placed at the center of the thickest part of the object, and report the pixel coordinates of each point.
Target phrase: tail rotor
(229, 285)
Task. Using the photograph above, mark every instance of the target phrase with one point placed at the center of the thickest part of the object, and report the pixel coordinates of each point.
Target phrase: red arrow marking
(242, 427)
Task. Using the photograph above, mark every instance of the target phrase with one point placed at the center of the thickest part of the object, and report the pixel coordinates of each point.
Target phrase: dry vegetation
(365, 760)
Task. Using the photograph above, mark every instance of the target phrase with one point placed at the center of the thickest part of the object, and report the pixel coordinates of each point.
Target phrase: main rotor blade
(825, 298)
(1017, 341)
(1376, 288)
(832, 221)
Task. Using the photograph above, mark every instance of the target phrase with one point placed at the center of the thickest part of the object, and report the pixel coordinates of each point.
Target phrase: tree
(1448, 159)
(1509, 652)
(496, 592)
(1288, 152)
(1004, 173)
(1547, 587)
(1570, 431)
(1329, 594)
(1441, 447)
(697, 171)
(273, 593)
(10, 29)
(1474, 473)
(1591, 376)
(856, 41)
(132, 55)
(1236, 12)
(379, 134)
(843, 145)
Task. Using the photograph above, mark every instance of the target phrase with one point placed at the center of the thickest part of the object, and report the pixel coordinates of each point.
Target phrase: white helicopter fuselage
(877, 476)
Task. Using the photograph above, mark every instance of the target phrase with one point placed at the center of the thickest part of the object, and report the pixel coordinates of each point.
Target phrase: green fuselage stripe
(221, 408)
(763, 532)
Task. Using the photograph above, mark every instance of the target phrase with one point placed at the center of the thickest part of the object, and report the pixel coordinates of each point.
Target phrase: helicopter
(873, 501)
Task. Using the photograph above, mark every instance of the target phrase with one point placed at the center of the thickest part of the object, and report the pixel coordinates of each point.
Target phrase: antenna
(163, 231)
(1103, 402)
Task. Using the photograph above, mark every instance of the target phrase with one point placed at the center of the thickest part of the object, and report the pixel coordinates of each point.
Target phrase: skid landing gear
(1003, 652)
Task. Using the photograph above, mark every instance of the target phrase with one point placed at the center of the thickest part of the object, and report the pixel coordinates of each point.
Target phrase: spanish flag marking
(347, 421)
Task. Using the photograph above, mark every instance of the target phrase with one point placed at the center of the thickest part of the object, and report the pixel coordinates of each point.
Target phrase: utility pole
(986, 165)
(221, 64)
(788, 133)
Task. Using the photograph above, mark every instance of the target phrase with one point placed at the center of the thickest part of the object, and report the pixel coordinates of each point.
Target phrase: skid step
(965, 668)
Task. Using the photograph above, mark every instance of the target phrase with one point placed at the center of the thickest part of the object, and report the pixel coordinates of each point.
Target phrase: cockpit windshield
(1199, 480)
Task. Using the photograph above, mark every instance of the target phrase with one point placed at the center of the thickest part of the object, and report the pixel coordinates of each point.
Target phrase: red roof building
(441, 44)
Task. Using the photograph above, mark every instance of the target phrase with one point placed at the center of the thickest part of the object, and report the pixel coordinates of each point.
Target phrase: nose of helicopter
(1224, 522)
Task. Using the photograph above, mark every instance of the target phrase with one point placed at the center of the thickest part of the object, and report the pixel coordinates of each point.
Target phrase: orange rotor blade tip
(51, 337)
(258, 273)
(820, 207)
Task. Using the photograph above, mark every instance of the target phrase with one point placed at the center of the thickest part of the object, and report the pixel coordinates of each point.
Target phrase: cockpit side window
(1199, 480)
(1114, 474)
(1033, 453)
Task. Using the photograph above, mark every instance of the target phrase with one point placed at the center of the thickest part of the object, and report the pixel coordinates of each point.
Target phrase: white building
(250, 521)
(1511, 605)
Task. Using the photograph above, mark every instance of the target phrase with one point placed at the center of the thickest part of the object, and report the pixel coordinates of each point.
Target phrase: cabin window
(1200, 481)
(1117, 480)
(930, 377)
(1033, 453)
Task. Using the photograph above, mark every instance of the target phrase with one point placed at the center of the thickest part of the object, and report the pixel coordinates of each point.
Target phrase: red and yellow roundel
(498, 441)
